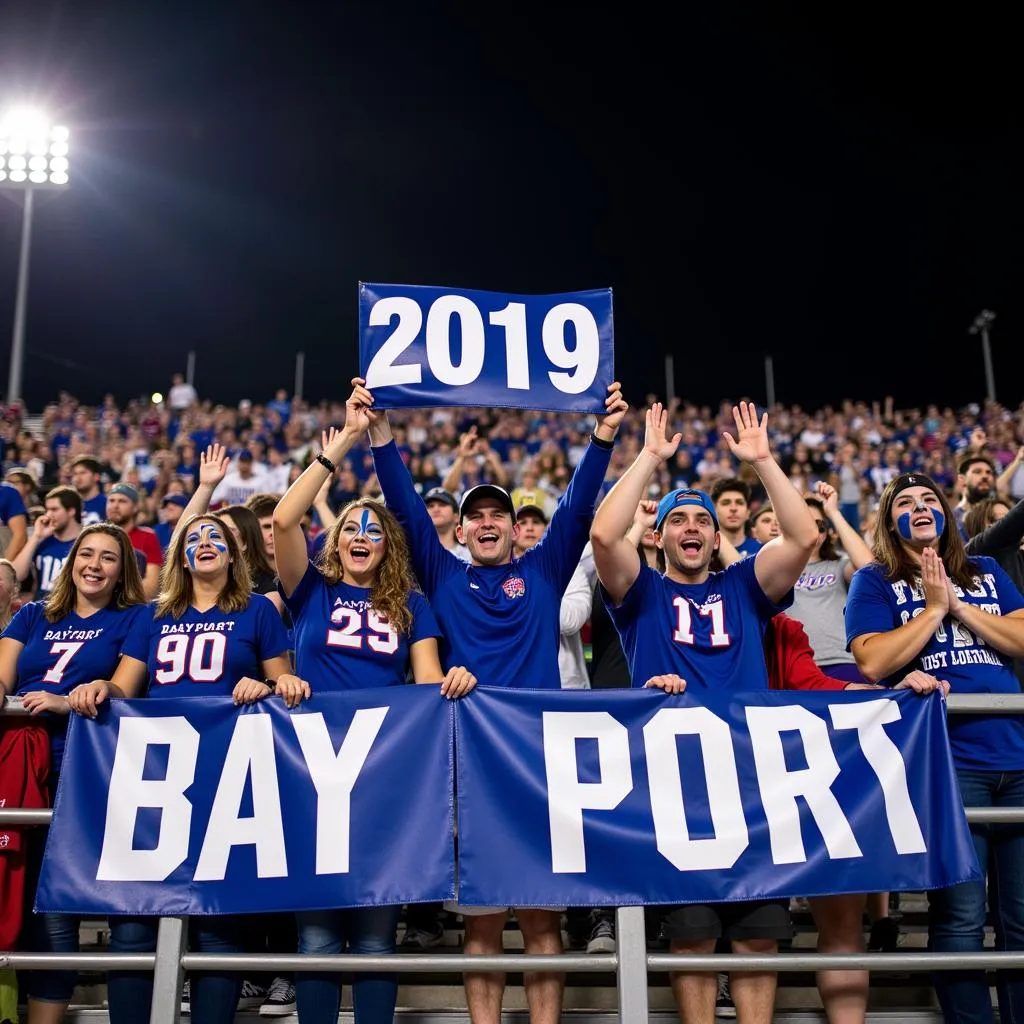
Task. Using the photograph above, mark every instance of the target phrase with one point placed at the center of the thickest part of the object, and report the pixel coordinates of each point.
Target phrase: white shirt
(574, 613)
(181, 396)
(234, 490)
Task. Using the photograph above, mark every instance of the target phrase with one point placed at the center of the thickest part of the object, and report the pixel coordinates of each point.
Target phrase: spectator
(924, 604)
(476, 462)
(763, 525)
(532, 523)
(13, 513)
(123, 510)
(263, 506)
(87, 479)
(8, 592)
(443, 509)
(53, 535)
(182, 395)
(240, 483)
(171, 508)
(976, 474)
(732, 505)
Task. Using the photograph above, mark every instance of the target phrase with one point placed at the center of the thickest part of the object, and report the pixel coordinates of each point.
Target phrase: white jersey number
(382, 638)
(200, 657)
(716, 612)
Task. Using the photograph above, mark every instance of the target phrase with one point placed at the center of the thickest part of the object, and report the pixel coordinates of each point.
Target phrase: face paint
(371, 531)
(903, 522)
(207, 533)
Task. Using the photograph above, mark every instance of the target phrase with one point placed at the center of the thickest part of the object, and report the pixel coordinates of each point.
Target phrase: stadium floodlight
(982, 322)
(33, 155)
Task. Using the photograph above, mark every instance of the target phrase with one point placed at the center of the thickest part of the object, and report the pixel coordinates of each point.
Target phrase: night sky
(838, 188)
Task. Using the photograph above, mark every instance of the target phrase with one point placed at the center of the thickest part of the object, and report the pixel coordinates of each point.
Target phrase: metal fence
(630, 962)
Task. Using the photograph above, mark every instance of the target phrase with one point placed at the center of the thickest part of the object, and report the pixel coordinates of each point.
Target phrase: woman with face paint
(924, 604)
(359, 623)
(96, 602)
(209, 636)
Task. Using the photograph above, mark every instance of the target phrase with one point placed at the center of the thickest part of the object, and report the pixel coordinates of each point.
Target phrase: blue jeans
(362, 930)
(956, 916)
(214, 996)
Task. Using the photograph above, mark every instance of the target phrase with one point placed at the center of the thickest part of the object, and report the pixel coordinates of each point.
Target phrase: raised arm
(452, 482)
(322, 506)
(213, 467)
(18, 525)
(853, 544)
(290, 553)
(779, 563)
(1005, 478)
(615, 557)
(22, 562)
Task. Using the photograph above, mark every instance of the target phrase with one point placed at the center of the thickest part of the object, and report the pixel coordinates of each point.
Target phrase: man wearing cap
(87, 479)
(13, 513)
(171, 508)
(122, 510)
(240, 483)
(444, 511)
(693, 629)
(532, 521)
(500, 618)
(53, 535)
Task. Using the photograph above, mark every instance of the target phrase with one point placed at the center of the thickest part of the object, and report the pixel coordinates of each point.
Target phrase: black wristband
(272, 683)
(606, 445)
(326, 463)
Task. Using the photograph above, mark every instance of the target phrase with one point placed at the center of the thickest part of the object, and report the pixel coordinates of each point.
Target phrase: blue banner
(194, 806)
(422, 346)
(623, 797)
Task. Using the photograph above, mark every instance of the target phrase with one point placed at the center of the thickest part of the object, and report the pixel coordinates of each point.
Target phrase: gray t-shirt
(819, 603)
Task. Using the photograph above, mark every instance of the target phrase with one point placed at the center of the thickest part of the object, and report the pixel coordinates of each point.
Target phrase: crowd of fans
(140, 466)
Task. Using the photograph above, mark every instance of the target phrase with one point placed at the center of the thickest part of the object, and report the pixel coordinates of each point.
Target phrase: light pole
(33, 155)
(982, 322)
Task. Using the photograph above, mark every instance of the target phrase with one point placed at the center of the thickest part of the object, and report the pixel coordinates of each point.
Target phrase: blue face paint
(206, 534)
(370, 530)
(903, 522)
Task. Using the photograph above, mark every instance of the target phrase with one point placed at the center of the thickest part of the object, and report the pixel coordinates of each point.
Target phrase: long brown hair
(891, 553)
(127, 590)
(979, 516)
(255, 554)
(176, 581)
(390, 591)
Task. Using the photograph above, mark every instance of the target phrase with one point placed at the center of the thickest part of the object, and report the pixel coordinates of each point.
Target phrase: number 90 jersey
(342, 643)
(711, 633)
(204, 654)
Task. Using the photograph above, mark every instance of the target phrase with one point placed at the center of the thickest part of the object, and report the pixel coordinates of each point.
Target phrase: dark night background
(836, 188)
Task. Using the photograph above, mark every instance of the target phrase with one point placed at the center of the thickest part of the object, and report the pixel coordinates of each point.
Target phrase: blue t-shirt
(749, 547)
(342, 643)
(711, 633)
(164, 532)
(500, 622)
(48, 561)
(878, 605)
(58, 656)
(204, 654)
(11, 503)
(94, 510)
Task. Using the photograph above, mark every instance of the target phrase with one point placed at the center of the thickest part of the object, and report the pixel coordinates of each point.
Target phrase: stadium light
(982, 322)
(33, 155)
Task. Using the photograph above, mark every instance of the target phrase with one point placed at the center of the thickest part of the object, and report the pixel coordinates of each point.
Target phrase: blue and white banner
(630, 797)
(194, 806)
(423, 346)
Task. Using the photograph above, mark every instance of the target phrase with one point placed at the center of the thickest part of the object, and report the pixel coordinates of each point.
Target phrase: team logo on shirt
(514, 586)
(4, 840)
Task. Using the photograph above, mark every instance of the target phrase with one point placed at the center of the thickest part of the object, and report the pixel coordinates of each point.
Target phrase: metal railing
(631, 962)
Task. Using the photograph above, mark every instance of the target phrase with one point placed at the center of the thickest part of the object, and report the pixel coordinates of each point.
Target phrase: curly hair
(127, 590)
(176, 581)
(389, 594)
(892, 553)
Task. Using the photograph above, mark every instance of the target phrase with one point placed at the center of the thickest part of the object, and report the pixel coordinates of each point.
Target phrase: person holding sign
(500, 616)
(924, 604)
(359, 623)
(208, 636)
(719, 621)
(48, 649)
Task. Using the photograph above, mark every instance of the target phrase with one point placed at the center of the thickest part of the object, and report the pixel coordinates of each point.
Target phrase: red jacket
(24, 768)
(791, 660)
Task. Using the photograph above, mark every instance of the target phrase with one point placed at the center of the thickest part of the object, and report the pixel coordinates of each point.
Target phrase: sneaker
(884, 937)
(252, 996)
(602, 936)
(423, 938)
(724, 1006)
(186, 997)
(280, 999)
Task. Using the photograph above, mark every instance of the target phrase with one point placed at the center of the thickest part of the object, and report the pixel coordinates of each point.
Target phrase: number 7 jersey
(711, 633)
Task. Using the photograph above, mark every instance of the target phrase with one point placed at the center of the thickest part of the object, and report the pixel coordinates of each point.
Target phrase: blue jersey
(58, 656)
(11, 503)
(953, 653)
(48, 561)
(342, 643)
(163, 532)
(501, 621)
(94, 510)
(711, 633)
(749, 547)
(204, 654)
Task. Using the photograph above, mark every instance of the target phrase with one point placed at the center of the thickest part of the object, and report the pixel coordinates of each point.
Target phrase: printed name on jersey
(514, 586)
(72, 634)
(197, 627)
(813, 582)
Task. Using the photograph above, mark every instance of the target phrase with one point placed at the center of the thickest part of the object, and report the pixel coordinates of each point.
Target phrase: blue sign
(422, 346)
(194, 806)
(623, 797)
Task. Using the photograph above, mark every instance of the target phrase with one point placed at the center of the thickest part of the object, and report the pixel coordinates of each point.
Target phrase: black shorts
(751, 919)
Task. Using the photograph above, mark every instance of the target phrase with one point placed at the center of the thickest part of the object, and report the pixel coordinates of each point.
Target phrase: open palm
(655, 440)
(213, 465)
(751, 441)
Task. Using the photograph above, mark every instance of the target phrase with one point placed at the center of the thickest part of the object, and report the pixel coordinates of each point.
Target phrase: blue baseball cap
(685, 496)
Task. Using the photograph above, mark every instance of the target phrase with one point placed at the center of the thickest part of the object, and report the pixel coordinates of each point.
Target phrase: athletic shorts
(751, 919)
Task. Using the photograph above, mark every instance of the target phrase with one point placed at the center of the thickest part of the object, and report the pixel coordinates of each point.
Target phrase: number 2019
(576, 368)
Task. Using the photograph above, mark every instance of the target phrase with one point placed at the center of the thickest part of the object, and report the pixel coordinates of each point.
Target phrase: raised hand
(655, 441)
(646, 515)
(933, 580)
(829, 497)
(751, 441)
(615, 409)
(468, 443)
(358, 412)
(213, 465)
(42, 528)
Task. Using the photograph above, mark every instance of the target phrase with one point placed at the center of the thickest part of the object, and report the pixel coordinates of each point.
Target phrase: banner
(421, 346)
(193, 806)
(635, 796)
